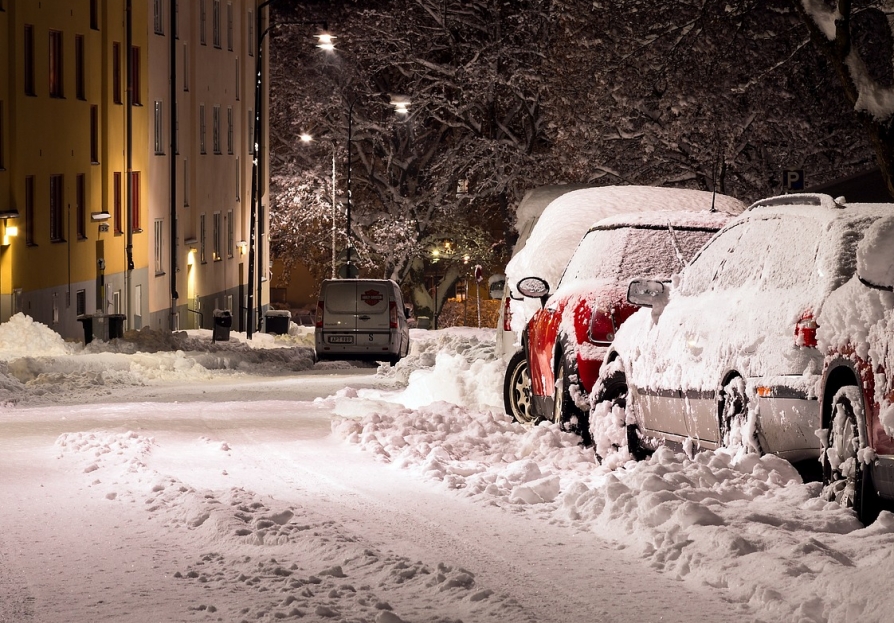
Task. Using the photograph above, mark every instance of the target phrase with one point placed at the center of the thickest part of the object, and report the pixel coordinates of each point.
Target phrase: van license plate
(341, 339)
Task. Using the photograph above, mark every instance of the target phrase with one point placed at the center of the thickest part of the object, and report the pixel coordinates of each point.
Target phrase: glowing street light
(325, 41)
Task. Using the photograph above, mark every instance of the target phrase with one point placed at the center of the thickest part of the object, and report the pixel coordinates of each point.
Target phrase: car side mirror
(647, 293)
(534, 288)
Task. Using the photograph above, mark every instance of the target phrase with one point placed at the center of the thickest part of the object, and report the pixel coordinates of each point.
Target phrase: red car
(566, 341)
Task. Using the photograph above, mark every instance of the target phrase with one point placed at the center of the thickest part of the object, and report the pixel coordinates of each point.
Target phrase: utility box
(103, 327)
(277, 321)
(223, 322)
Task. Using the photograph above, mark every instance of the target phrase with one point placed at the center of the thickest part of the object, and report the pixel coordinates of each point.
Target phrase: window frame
(159, 128)
(80, 73)
(56, 64)
(215, 23)
(159, 247)
(57, 200)
(30, 85)
(135, 82)
(136, 225)
(94, 134)
(81, 197)
(116, 73)
(117, 202)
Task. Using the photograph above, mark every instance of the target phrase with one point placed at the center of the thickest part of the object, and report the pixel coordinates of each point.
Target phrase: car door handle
(364, 317)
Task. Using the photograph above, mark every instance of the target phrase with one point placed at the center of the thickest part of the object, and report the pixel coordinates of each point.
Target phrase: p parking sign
(793, 179)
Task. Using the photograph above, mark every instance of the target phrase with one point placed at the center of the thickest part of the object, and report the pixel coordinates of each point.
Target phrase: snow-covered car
(777, 338)
(554, 236)
(565, 341)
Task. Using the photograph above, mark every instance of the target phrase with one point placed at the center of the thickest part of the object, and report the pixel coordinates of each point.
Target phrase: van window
(341, 296)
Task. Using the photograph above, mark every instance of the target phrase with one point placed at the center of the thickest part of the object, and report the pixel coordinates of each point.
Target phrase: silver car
(752, 345)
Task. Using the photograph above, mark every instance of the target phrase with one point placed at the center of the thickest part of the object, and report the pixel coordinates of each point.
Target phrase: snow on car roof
(663, 218)
(566, 219)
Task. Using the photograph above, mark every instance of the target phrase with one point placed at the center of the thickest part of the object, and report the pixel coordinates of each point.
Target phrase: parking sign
(793, 179)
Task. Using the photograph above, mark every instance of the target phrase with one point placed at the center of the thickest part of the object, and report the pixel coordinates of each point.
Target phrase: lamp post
(255, 252)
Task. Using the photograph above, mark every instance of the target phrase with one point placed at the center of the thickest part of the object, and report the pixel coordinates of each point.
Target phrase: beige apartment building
(127, 145)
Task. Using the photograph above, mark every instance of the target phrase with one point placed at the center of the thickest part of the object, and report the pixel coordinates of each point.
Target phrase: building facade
(127, 144)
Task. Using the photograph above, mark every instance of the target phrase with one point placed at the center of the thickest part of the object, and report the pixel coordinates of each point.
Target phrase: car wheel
(615, 389)
(734, 425)
(845, 477)
(565, 411)
(517, 390)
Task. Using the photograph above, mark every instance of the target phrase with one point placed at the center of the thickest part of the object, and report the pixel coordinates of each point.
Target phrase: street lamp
(255, 252)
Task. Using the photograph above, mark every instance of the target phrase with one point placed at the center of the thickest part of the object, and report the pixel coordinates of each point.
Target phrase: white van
(361, 319)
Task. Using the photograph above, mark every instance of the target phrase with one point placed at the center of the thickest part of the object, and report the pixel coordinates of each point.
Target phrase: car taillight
(602, 328)
(805, 330)
(507, 314)
(392, 313)
(318, 321)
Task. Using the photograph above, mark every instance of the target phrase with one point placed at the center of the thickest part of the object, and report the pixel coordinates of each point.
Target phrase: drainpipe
(173, 122)
(128, 220)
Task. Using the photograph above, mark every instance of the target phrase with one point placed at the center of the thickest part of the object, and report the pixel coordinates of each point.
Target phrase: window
(231, 244)
(29, 210)
(185, 183)
(159, 129)
(202, 129)
(94, 14)
(135, 223)
(56, 197)
(230, 26)
(2, 141)
(28, 43)
(203, 20)
(215, 22)
(251, 34)
(137, 98)
(94, 134)
(56, 82)
(116, 72)
(159, 246)
(238, 178)
(216, 237)
(80, 78)
(185, 66)
(117, 204)
(81, 302)
(215, 128)
(81, 191)
(251, 131)
(229, 129)
(238, 86)
(158, 13)
(202, 239)
(176, 5)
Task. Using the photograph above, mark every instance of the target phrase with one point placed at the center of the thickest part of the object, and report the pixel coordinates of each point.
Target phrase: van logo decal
(372, 297)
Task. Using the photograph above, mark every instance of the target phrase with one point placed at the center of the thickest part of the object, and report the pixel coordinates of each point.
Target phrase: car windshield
(622, 253)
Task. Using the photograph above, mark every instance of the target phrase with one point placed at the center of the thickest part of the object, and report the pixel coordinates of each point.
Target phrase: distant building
(133, 201)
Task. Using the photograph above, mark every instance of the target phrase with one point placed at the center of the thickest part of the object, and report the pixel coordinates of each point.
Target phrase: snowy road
(232, 501)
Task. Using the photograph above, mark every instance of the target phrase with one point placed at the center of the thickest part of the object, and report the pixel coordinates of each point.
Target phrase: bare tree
(858, 39)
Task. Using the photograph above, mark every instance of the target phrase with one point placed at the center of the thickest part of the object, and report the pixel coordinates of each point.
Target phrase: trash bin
(423, 322)
(223, 322)
(103, 327)
(277, 321)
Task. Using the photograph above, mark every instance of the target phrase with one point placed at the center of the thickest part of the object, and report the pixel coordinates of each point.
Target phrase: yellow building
(106, 207)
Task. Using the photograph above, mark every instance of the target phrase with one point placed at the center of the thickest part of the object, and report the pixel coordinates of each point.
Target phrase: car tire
(733, 410)
(517, 390)
(846, 479)
(565, 411)
(615, 389)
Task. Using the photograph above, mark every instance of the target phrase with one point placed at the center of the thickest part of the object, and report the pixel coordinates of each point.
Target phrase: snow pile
(21, 336)
(456, 365)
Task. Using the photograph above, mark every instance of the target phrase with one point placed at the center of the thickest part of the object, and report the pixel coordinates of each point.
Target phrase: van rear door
(372, 306)
(340, 299)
